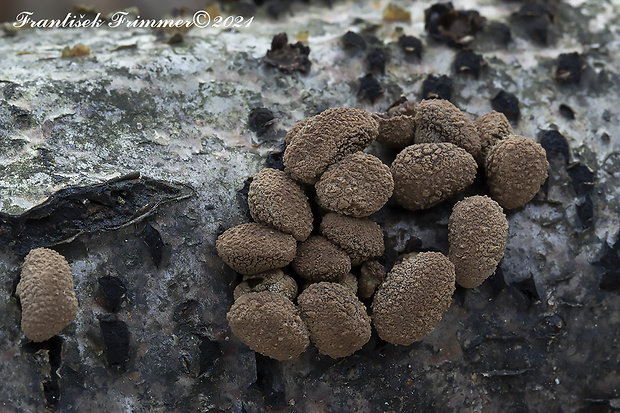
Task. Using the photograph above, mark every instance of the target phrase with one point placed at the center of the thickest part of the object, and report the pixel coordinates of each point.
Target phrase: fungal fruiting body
(278, 201)
(336, 319)
(275, 281)
(413, 298)
(46, 294)
(358, 185)
(396, 131)
(360, 238)
(269, 324)
(319, 260)
(492, 128)
(478, 232)
(428, 173)
(326, 139)
(437, 120)
(516, 168)
(253, 248)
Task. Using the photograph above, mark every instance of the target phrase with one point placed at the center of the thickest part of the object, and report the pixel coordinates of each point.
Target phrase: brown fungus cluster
(332, 254)
(325, 139)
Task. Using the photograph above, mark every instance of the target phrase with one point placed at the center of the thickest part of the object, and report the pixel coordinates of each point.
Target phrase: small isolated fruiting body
(372, 275)
(253, 248)
(437, 120)
(278, 201)
(269, 324)
(492, 128)
(428, 173)
(337, 320)
(360, 238)
(395, 132)
(478, 232)
(413, 298)
(350, 282)
(358, 185)
(275, 281)
(319, 260)
(46, 294)
(326, 139)
(516, 168)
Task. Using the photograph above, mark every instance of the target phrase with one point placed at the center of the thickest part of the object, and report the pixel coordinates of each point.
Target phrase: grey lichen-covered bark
(548, 340)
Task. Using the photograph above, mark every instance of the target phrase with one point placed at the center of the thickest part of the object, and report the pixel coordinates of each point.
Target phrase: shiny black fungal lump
(508, 104)
(437, 87)
(454, 27)
(370, 88)
(376, 60)
(411, 45)
(535, 18)
(288, 57)
(570, 68)
(353, 41)
(468, 61)
(554, 143)
(260, 120)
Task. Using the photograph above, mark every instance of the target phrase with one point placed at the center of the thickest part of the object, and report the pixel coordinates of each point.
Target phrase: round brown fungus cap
(253, 248)
(437, 120)
(269, 324)
(278, 201)
(358, 185)
(428, 173)
(413, 298)
(326, 139)
(360, 238)
(337, 320)
(516, 167)
(275, 281)
(492, 128)
(478, 232)
(46, 294)
(395, 132)
(319, 260)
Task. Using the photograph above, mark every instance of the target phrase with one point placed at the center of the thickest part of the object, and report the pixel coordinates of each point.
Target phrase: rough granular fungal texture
(395, 132)
(46, 294)
(275, 281)
(336, 319)
(360, 238)
(269, 324)
(350, 282)
(319, 260)
(326, 139)
(358, 185)
(253, 248)
(516, 167)
(372, 275)
(492, 127)
(413, 298)
(278, 201)
(296, 128)
(428, 173)
(478, 232)
(438, 120)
